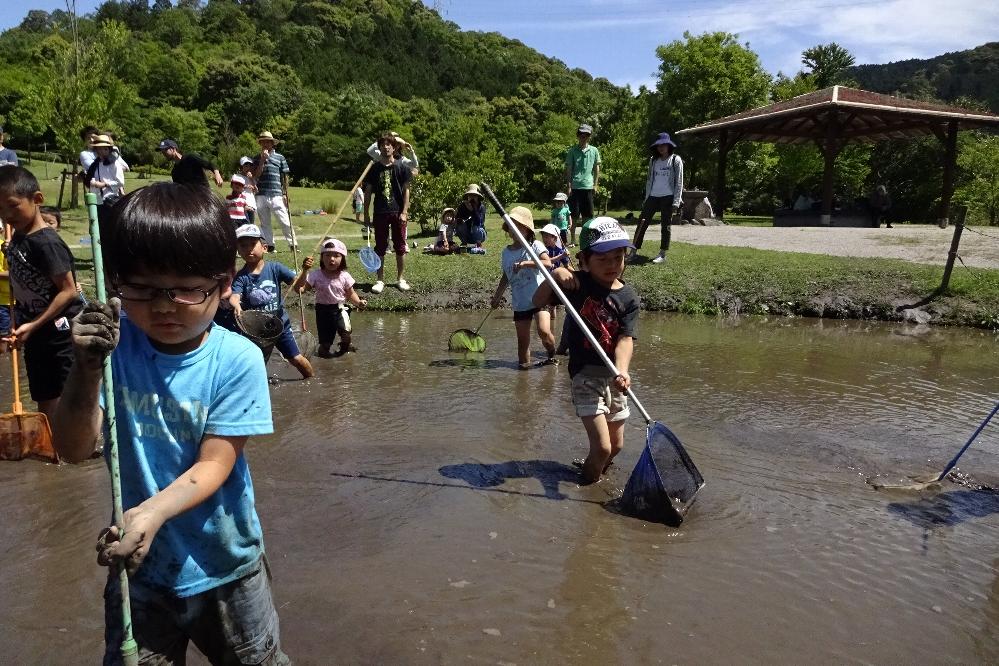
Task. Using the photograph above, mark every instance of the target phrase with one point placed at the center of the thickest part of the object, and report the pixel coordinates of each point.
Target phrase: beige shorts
(594, 394)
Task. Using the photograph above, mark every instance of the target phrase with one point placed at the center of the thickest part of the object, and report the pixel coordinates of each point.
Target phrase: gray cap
(584, 129)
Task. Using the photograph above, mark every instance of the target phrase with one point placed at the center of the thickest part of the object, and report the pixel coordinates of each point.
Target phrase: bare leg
(544, 319)
(48, 407)
(523, 341)
(600, 447)
(400, 263)
(303, 366)
(615, 430)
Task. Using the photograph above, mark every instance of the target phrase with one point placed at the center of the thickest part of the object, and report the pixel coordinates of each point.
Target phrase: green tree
(978, 161)
(700, 79)
(826, 63)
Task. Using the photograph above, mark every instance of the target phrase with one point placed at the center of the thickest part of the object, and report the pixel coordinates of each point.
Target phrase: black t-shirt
(609, 314)
(388, 183)
(191, 169)
(32, 261)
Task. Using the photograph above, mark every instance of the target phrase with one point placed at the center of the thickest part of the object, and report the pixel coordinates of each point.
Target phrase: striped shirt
(269, 183)
(236, 203)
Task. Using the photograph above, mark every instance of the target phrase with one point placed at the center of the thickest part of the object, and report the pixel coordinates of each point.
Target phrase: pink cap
(334, 245)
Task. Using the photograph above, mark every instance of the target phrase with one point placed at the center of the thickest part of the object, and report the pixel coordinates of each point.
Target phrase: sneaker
(377, 287)
(632, 256)
(476, 250)
(551, 360)
(403, 285)
(270, 248)
(660, 258)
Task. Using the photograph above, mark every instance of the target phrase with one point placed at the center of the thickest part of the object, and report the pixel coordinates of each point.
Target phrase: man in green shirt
(582, 171)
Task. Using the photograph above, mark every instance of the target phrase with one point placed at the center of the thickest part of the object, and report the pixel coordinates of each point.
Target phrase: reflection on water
(419, 506)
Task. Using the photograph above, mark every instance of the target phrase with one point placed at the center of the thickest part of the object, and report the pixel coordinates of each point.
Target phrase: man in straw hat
(188, 168)
(401, 147)
(272, 191)
(470, 220)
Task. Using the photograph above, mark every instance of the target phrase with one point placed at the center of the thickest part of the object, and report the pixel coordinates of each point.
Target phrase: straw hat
(523, 218)
(101, 141)
(266, 136)
(473, 189)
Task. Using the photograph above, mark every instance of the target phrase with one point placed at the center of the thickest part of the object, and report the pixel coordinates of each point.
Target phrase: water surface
(419, 507)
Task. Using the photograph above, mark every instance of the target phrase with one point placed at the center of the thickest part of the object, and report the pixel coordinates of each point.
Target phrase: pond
(419, 507)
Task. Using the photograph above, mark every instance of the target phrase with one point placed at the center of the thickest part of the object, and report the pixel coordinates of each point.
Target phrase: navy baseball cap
(165, 144)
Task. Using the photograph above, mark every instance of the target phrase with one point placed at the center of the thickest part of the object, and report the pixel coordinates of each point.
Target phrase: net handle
(561, 295)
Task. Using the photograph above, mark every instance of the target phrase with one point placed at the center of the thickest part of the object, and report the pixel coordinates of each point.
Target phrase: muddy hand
(95, 331)
(128, 547)
(308, 263)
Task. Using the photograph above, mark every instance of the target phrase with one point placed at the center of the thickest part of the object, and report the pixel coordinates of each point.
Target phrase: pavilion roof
(860, 116)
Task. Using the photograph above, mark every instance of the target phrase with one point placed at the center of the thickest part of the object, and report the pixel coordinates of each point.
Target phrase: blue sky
(617, 39)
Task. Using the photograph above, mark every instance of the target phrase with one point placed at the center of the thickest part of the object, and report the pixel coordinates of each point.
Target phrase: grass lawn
(697, 279)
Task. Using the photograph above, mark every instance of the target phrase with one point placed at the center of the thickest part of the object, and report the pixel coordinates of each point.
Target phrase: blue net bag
(665, 481)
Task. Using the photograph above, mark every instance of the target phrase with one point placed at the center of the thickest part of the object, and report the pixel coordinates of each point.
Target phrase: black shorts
(48, 357)
(521, 315)
(581, 206)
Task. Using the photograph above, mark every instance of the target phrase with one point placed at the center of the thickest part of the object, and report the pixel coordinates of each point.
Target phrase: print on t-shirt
(603, 322)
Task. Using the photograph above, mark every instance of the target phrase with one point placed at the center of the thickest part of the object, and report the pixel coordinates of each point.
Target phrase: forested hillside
(328, 76)
(971, 74)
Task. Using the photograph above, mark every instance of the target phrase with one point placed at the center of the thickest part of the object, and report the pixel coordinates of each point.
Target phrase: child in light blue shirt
(188, 396)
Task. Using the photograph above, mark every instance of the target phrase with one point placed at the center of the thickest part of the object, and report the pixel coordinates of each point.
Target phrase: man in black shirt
(189, 168)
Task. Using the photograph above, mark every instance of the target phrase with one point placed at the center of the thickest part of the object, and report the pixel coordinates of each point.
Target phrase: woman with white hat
(105, 177)
(663, 193)
(522, 275)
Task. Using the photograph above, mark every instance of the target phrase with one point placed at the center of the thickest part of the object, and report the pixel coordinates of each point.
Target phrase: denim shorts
(235, 623)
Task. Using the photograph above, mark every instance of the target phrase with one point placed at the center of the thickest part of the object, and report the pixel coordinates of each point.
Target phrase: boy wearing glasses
(188, 396)
(44, 288)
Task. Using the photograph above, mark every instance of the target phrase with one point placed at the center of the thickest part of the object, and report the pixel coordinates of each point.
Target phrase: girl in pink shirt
(334, 288)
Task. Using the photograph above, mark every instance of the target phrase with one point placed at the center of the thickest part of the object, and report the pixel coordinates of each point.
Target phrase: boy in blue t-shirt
(188, 396)
(257, 286)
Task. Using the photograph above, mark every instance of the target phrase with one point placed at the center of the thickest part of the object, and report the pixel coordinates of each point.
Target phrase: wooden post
(74, 201)
(62, 188)
(950, 164)
(723, 147)
(959, 214)
(830, 149)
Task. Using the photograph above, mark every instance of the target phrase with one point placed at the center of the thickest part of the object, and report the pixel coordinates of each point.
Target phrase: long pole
(561, 295)
(129, 648)
(335, 218)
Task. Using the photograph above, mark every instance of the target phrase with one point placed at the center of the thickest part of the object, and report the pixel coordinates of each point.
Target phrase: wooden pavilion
(832, 118)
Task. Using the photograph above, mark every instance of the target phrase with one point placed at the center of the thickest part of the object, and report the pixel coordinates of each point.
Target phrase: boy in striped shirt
(236, 202)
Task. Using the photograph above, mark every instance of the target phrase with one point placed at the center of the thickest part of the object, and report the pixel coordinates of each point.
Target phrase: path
(921, 244)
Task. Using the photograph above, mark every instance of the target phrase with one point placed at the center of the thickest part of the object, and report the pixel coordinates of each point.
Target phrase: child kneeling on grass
(188, 396)
(257, 286)
(334, 287)
(610, 309)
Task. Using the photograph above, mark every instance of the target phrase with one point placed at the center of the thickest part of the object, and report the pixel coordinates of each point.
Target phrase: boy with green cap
(609, 307)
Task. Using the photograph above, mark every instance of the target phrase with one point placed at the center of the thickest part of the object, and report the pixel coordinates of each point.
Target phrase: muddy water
(418, 508)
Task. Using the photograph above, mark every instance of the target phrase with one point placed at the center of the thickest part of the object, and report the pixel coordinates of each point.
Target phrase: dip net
(665, 481)
(466, 340)
(261, 327)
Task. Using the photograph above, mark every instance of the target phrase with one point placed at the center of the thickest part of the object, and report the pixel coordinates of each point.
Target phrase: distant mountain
(971, 73)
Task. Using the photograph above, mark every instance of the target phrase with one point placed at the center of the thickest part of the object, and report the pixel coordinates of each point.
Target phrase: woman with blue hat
(663, 193)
